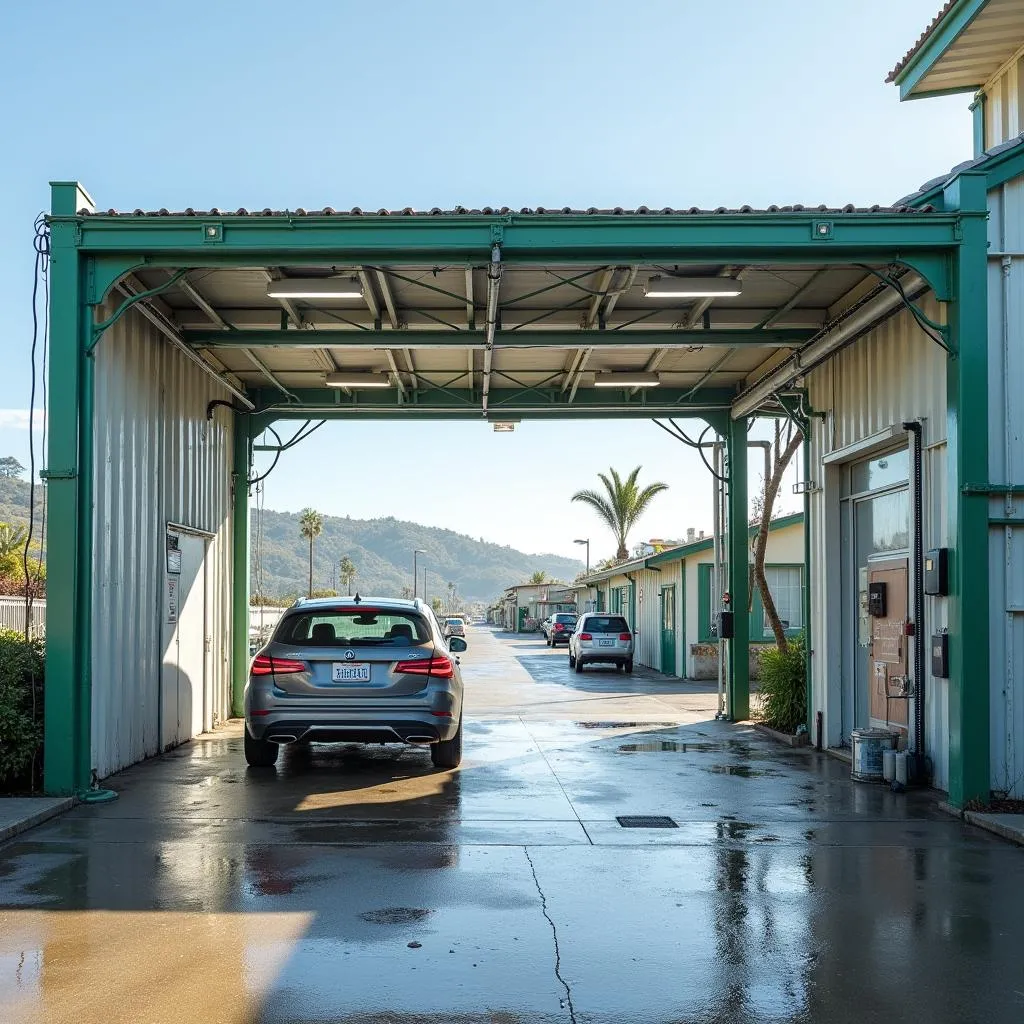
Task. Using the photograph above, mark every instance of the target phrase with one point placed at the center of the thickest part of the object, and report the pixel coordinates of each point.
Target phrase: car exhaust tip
(282, 737)
(419, 740)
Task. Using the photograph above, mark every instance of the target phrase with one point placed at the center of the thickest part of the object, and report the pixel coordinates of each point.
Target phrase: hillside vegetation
(381, 550)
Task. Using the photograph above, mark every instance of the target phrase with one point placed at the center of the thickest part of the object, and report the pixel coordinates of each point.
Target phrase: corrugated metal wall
(648, 619)
(1006, 463)
(891, 375)
(158, 460)
(1002, 106)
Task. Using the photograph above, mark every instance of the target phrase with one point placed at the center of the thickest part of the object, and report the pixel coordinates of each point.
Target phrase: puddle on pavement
(668, 746)
(744, 771)
(623, 725)
(395, 915)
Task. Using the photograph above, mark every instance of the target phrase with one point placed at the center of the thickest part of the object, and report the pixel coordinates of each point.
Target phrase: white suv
(601, 637)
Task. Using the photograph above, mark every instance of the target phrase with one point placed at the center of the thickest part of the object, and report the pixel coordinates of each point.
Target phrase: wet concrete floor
(364, 886)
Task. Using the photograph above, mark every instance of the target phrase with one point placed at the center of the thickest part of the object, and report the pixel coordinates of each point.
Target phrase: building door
(668, 630)
(183, 683)
(875, 540)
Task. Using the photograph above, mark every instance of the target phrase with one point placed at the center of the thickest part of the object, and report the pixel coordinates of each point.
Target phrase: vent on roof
(646, 821)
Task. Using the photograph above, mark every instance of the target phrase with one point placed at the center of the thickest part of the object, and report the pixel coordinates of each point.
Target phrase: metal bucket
(868, 747)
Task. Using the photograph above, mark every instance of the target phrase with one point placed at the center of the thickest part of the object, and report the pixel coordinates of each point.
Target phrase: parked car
(600, 637)
(356, 670)
(560, 627)
(454, 626)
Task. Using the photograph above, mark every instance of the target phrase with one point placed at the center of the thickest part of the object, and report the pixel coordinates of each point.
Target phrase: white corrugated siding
(648, 619)
(1002, 106)
(1006, 464)
(158, 460)
(893, 374)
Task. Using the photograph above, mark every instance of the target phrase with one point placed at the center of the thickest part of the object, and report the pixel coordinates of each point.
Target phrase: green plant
(21, 707)
(784, 686)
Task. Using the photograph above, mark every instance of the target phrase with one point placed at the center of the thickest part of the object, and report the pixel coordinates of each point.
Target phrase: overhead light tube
(315, 288)
(627, 379)
(692, 287)
(358, 380)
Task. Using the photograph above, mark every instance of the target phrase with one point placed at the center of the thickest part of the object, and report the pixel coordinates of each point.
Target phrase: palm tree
(12, 539)
(622, 504)
(540, 576)
(346, 572)
(311, 525)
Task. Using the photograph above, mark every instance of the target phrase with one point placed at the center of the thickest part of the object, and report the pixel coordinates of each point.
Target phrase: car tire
(260, 753)
(448, 753)
(579, 664)
(628, 667)
(572, 660)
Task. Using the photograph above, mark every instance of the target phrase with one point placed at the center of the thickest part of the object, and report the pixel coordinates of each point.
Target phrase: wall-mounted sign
(172, 599)
(173, 553)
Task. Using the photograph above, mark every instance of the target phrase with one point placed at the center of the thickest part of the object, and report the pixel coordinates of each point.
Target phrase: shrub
(784, 686)
(21, 728)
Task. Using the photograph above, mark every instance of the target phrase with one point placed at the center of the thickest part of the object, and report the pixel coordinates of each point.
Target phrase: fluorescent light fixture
(627, 379)
(358, 380)
(692, 287)
(315, 288)
(504, 426)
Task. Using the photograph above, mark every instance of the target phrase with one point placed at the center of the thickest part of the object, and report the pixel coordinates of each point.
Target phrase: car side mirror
(457, 644)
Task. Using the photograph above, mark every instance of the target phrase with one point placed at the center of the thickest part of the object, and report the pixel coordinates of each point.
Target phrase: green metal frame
(90, 253)
(738, 547)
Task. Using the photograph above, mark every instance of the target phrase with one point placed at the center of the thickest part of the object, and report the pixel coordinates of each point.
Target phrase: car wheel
(572, 660)
(260, 753)
(579, 664)
(628, 667)
(448, 753)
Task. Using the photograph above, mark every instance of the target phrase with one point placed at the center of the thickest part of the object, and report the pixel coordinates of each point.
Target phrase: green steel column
(240, 562)
(967, 426)
(86, 469)
(739, 571)
(66, 716)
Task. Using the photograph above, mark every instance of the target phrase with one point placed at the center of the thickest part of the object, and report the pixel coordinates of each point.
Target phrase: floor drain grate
(646, 821)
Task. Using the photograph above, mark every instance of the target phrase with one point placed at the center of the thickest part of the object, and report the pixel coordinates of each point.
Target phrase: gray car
(356, 670)
(601, 637)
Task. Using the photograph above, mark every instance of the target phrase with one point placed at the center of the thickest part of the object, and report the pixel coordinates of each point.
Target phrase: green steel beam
(461, 403)
(791, 337)
(241, 462)
(807, 235)
(967, 425)
(64, 711)
(739, 571)
(938, 42)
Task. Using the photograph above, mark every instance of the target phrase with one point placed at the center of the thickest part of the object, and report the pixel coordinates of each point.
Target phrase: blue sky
(655, 102)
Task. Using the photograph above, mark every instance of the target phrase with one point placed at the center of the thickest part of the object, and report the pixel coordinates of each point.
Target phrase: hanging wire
(680, 435)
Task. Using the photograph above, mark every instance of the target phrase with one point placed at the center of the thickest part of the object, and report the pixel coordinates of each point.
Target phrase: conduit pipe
(493, 285)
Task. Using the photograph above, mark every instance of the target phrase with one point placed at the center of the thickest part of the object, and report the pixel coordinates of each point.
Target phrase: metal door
(668, 630)
(887, 651)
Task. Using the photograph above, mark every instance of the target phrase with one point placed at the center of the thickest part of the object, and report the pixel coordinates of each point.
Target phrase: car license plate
(349, 673)
(605, 643)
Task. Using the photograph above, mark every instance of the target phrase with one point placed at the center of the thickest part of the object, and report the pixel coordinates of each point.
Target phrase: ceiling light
(691, 287)
(627, 379)
(358, 380)
(315, 288)
(504, 426)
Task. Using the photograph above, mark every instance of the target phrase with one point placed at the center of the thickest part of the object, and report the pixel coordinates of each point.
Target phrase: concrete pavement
(363, 886)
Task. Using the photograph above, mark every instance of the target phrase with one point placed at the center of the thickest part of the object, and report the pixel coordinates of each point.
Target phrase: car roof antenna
(357, 598)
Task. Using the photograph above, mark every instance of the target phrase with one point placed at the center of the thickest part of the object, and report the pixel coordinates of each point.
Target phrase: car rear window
(565, 618)
(606, 624)
(352, 627)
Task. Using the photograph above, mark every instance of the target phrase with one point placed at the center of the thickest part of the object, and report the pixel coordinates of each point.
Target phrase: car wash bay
(365, 886)
(178, 340)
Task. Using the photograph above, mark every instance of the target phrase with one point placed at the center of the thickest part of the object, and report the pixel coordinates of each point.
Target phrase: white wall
(158, 460)
(1003, 104)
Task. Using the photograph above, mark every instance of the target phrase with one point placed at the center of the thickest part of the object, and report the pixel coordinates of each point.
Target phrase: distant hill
(382, 552)
(14, 502)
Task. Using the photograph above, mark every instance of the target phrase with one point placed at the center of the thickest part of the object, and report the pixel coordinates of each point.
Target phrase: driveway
(364, 886)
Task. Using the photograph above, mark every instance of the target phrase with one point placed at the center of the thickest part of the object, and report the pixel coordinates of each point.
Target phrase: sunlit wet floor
(364, 886)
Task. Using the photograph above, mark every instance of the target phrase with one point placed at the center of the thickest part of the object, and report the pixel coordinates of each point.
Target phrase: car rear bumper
(559, 638)
(610, 655)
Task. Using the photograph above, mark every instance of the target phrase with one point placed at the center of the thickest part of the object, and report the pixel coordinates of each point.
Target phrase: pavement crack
(554, 935)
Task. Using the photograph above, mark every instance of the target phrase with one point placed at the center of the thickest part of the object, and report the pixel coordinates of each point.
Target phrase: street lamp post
(415, 570)
(587, 542)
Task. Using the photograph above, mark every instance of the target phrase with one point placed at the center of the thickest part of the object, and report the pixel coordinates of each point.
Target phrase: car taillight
(559, 627)
(625, 636)
(438, 665)
(264, 665)
(586, 636)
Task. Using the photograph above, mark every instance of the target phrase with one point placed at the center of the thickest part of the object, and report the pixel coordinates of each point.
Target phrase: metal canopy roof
(965, 45)
(470, 313)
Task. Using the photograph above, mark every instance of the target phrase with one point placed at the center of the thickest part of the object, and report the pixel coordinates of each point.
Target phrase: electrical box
(725, 626)
(940, 655)
(936, 572)
(876, 600)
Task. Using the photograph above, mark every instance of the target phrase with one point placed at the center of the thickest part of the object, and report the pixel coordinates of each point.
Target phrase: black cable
(277, 455)
(697, 445)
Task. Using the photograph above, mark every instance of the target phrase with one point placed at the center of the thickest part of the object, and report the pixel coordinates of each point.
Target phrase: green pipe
(241, 459)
